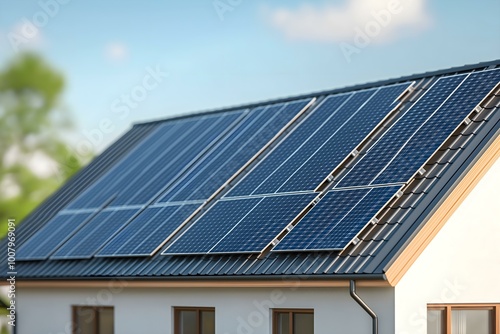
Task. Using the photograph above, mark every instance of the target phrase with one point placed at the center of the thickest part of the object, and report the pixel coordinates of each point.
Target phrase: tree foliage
(34, 157)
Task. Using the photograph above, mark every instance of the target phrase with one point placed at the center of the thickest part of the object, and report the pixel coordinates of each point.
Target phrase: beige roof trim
(416, 246)
(290, 282)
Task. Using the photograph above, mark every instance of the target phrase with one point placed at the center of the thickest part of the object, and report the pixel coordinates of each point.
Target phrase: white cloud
(116, 51)
(338, 23)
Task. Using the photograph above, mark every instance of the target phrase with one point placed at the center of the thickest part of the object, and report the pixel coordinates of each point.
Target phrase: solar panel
(203, 180)
(134, 163)
(206, 176)
(407, 145)
(53, 234)
(243, 225)
(321, 142)
(147, 231)
(164, 171)
(90, 238)
(338, 217)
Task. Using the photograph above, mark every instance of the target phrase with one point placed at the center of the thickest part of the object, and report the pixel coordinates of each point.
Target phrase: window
(463, 319)
(194, 320)
(93, 320)
(293, 321)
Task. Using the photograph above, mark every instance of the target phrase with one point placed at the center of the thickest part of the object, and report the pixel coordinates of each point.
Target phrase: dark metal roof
(379, 244)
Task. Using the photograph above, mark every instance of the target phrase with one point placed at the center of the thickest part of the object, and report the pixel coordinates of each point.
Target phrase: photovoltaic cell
(407, 145)
(263, 224)
(147, 231)
(243, 225)
(321, 142)
(441, 125)
(262, 125)
(132, 164)
(153, 226)
(336, 219)
(215, 224)
(92, 236)
(165, 171)
(155, 162)
(270, 165)
(54, 233)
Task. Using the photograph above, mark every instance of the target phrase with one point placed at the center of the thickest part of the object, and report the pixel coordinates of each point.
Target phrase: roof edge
(199, 282)
(444, 210)
(451, 70)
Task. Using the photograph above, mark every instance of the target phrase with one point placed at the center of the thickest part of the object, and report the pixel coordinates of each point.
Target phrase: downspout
(352, 290)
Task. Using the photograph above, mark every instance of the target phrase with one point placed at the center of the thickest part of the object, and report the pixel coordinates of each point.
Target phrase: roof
(371, 258)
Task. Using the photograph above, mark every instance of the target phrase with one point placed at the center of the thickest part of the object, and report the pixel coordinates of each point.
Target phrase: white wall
(237, 310)
(461, 264)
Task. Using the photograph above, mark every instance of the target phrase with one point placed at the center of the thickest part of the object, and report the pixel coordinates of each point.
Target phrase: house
(366, 209)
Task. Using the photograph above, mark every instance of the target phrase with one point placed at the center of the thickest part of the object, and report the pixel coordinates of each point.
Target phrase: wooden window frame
(179, 309)
(291, 312)
(447, 308)
(95, 309)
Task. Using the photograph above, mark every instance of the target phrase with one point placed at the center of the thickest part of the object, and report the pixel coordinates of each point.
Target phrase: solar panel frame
(240, 171)
(73, 243)
(307, 103)
(374, 97)
(120, 252)
(143, 160)
(339, 185)
(46, 229)
(274, 121)
(120, 163)
(193, 160)
(291, 133)
(394, 189)
(455, 129)
(257, 113)
(408, 85)
(209, 245)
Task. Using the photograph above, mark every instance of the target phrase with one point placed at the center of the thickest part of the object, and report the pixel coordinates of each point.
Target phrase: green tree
(33, 122)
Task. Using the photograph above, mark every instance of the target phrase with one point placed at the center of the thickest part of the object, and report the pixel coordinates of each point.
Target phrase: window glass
(303, 323)
(435, 322)
(188, 322)
(471, 321)
(207, 322)
(106, 321)
(283, 323)
(85, 320)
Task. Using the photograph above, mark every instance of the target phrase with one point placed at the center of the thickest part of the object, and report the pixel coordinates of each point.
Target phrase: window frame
(179, 309)
(291, 311)
(447, 308)
(95, 310)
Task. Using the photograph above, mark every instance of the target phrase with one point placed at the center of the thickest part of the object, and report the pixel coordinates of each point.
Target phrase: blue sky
(228, 52)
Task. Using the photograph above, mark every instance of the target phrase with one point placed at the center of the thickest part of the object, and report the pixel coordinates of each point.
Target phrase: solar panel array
(175, 190)
(395, 158)
(241, 225)
(321, 142)
(293, 169)
(138, 215)
(337, 219)
(409, 143)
